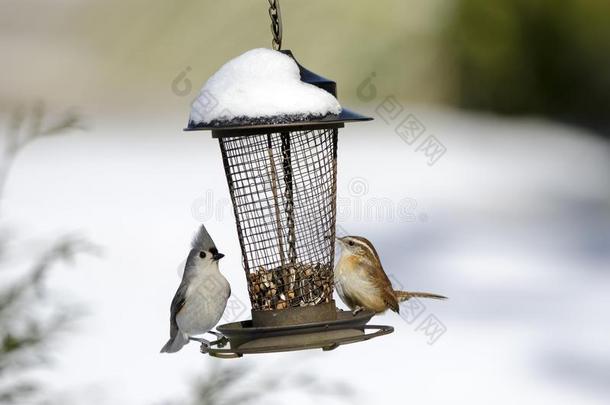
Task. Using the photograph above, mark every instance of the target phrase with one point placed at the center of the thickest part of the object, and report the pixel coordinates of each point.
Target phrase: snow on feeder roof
(261, 84)
(263, 88)
(277, 125)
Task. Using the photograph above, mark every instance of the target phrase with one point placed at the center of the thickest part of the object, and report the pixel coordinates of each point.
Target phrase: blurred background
(488, 182)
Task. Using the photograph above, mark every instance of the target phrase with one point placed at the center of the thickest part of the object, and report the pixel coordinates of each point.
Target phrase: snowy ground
(512, 223)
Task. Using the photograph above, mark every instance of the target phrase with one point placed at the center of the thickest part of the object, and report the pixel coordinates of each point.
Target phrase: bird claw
(357, 310)
(222, 342)
(204, 348)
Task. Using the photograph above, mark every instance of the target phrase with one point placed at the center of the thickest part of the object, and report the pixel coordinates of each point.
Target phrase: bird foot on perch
(220, 342)
(357, 310)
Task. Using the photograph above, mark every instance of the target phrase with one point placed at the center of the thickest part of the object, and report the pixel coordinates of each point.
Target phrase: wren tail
(175, 343)
(406, 295)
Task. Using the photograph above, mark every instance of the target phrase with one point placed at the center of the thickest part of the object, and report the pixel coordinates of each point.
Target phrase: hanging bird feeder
(281, 172)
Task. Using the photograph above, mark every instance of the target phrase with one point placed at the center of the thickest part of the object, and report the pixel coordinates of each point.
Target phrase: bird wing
(345, 295)
(177, 305)
(383, 284)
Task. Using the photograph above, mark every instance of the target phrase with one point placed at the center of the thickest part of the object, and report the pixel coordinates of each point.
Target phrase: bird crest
(202, 240)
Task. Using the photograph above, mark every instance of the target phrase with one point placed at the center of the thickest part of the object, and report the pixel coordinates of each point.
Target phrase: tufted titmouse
(202, 295)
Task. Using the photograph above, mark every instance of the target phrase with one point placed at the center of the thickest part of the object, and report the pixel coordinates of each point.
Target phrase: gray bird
(202, 295)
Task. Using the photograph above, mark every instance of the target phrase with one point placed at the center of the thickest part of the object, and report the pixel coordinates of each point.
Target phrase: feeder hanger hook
(276, 23)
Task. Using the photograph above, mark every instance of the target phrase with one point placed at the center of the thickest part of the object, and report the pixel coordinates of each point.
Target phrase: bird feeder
(282, 178)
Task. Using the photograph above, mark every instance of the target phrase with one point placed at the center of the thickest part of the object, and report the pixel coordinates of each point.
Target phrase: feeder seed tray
(244, 338)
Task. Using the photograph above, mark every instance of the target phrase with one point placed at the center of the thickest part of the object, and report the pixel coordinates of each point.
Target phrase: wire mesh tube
(283, 189)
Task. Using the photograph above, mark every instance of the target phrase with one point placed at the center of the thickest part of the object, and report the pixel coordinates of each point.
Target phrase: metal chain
(276, 23)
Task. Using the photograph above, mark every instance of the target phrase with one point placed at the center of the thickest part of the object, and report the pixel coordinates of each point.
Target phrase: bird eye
(202, 255)
(351, 243)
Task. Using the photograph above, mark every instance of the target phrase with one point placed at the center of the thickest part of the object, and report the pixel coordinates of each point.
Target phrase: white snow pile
(261, 85)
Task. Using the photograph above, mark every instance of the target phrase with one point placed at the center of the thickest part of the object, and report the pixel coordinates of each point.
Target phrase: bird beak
(339, 241)
(217, 256)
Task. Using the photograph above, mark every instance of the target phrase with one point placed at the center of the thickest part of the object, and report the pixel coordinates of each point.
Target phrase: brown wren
(361, 281)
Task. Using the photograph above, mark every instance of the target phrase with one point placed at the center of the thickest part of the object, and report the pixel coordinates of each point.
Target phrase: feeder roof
(312, 107)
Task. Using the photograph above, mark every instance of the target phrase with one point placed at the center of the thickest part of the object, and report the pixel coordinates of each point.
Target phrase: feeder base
(241, 338)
